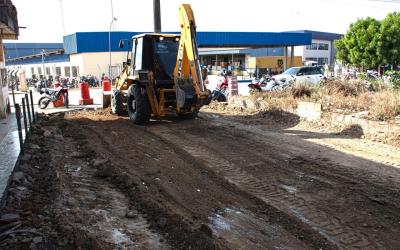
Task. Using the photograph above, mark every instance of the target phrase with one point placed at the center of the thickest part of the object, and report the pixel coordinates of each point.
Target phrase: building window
(67, 71)
(39, 70)
(322, 60)
(313, 46)
(318, 46)
(75, 71)
(58, 71)
(323, 46)
(48, 71)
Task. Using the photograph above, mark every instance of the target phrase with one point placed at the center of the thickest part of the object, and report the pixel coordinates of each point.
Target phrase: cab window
(137, 53)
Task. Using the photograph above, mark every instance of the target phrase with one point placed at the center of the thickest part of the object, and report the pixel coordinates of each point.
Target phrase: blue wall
(98, 41)
(95, 41)
(252, 39)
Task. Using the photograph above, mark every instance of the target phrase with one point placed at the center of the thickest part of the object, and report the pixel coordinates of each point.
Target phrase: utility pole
(157, 16)
(109, 41)
(62, 17)
(43, 52)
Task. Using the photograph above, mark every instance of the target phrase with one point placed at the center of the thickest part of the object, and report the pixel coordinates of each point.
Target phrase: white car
(308, 75)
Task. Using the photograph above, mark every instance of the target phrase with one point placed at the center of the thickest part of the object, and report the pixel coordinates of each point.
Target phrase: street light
(109, 48)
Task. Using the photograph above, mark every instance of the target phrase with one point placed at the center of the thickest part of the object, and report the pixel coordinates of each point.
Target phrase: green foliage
(359, 46)
(389, 45)
(362, 76)
(342, 51)
(370, 43)
(394, 78)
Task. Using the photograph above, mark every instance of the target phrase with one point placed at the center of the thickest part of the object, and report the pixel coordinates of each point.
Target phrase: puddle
(289, 189)
(242, 229)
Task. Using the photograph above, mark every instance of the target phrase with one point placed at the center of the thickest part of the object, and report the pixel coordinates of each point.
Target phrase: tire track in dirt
(93, 208)
(345, 164)
(306, 210)
(162, 152)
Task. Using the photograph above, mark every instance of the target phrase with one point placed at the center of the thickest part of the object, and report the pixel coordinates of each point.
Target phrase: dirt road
(217, 182)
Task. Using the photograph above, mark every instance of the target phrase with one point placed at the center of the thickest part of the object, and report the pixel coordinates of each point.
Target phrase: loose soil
(222, 181)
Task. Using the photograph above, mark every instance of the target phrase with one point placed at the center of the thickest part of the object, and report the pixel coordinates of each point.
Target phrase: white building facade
(322, 50)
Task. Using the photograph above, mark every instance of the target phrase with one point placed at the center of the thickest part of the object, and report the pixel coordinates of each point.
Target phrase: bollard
(25, 118)
(33, 110)
(28, 109)
(106, 84)
(18, 116)
(85, 94)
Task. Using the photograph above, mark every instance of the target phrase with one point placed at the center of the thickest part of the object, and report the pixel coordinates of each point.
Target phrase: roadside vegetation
(375, 101)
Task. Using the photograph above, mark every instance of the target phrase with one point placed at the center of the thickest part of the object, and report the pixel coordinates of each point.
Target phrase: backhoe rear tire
(138, 105)
(117, 106)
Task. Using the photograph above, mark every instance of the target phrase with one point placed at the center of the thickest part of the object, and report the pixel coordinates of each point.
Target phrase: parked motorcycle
(52, 95)
(91, 80)
(267, 83)
(222, 91)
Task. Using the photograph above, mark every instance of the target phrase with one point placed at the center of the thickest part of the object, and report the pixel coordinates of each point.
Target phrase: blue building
(85, 53)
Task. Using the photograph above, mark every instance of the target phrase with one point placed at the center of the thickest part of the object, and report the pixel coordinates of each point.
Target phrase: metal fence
(26, 117)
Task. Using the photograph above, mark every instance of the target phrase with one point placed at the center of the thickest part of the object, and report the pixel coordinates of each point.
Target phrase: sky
(43, 18)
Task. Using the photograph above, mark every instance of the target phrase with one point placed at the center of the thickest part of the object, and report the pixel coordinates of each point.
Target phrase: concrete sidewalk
(9, 150)
(9, 141)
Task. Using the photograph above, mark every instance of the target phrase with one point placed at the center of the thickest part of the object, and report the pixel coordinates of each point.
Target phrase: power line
(360, 5)
(384, 1)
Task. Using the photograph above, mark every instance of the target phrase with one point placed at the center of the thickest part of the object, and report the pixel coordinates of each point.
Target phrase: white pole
(62, 17)
(109, 41)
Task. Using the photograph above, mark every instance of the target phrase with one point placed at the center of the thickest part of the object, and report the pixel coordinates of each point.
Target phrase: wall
(94, 63)
(272, 61)
(4, 99)
(318, 53)
(97, 63)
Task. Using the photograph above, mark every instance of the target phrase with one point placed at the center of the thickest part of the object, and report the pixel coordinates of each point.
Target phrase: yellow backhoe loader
(161, 75)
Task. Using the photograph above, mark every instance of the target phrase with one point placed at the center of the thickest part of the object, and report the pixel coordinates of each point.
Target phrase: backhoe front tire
(117, 106)
(138, 105)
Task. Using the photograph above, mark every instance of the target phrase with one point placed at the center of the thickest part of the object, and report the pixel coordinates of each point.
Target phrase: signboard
(233, 86)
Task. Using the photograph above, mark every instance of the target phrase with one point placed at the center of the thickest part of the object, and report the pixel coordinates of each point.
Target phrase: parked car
(309, 75)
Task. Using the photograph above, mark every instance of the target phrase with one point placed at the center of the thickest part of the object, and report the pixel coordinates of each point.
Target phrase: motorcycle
(221, 93)
(53, 95)
(267, 83)
(91, 80)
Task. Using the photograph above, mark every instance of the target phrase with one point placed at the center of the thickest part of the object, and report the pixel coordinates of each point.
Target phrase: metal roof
(252, 39)
(243, 51)
(15, 50)
(319, 35)
(53, 58)
(81, 42)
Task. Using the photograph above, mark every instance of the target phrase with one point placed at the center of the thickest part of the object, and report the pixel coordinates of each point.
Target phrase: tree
(362, 40)
(359, 46)
(342, 52)
(389, 44)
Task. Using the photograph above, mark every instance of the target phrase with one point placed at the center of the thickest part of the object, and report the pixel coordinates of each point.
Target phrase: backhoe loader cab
(161, 75)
